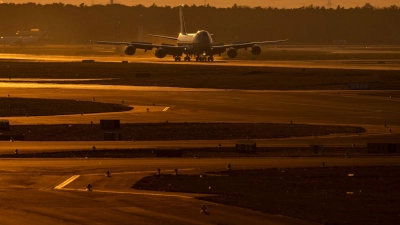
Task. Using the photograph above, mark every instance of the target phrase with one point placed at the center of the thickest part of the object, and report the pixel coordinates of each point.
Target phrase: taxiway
(27, 185)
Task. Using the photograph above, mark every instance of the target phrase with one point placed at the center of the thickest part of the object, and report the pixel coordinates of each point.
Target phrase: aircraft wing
(110, 42)
(246, 44)
(169, 49)
(140, 45)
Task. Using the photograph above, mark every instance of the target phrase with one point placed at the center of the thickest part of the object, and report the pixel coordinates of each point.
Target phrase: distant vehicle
(24, 38)
(198, 44)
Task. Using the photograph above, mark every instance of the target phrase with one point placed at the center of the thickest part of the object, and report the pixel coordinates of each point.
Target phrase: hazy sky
(226, 3)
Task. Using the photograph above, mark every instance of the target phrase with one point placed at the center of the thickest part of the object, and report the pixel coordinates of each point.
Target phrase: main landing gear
(204, 59)
(198, 58)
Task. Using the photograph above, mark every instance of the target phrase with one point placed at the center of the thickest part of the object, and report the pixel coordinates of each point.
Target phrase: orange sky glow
(226, 3)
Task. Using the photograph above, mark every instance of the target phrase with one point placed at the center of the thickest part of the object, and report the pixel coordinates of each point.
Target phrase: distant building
(29, 33)
(316, 149)
(358, 86)
(246, 146)
(342, 42)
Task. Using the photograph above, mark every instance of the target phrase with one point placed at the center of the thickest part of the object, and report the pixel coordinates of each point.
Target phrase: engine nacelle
(232, 53)
(160, 53)
(130, 50)
(256, 50)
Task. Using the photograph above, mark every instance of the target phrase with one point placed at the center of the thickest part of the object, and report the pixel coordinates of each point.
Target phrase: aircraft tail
(182, 20)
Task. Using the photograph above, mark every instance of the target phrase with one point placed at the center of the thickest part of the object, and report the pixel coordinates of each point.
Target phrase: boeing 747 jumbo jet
(198, 44)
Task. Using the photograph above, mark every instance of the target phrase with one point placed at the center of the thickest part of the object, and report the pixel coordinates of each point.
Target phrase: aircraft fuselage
(198, 43)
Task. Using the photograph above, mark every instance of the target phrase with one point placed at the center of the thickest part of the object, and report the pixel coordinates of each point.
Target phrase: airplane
(22, 40)
(198, 44)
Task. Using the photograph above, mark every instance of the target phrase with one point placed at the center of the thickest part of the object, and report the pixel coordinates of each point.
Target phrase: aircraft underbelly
(194, 48)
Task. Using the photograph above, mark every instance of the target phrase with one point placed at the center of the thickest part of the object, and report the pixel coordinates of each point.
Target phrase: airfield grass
(325, 195)
(10, 107)
(201, 153)
(176, 131)
(201, 75)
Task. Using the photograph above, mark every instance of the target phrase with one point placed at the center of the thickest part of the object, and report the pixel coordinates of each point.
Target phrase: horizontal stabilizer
(166, 37)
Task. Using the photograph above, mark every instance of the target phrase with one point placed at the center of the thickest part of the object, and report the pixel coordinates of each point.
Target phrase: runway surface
(390, 64)
(28, 195)
(215, 105)
(27, 185)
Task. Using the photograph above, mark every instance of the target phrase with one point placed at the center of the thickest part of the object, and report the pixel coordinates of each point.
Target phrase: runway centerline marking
(66, 182)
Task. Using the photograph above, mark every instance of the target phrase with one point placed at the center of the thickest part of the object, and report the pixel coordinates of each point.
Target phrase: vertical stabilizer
(182, 19)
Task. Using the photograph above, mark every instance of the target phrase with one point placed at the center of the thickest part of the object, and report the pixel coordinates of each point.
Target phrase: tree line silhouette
(312, 24)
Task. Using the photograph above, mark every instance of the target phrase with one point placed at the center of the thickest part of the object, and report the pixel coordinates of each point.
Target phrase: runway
(352, 108)
(390, 64)
(27, 190)
(27, 185)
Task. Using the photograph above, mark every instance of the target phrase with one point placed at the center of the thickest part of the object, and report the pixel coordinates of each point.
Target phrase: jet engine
(256, 50)
(130, 50)
(160, 53)
(232, 53)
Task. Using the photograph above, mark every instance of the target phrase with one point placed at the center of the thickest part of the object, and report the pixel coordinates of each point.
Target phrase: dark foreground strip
(202, 153)
(177, 131)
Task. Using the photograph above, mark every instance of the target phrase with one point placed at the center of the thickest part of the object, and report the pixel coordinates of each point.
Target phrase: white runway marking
(134, 192)
(165, 109)
(68, 181)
